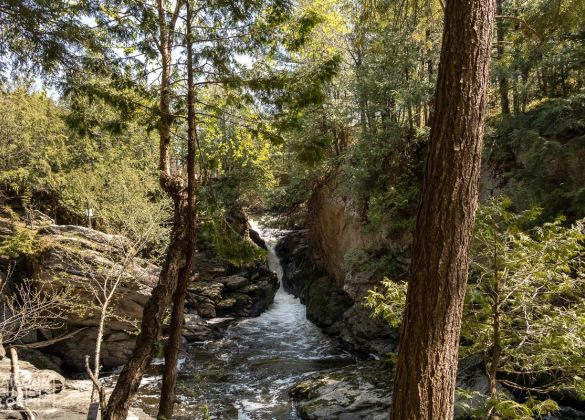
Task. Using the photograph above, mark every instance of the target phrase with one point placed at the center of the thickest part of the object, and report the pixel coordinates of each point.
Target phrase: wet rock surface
(330, 306)
(359, 391)
(326, 305)
(363, 391)
(297, 265)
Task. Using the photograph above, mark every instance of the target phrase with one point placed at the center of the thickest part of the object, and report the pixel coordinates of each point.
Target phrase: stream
(247, 373)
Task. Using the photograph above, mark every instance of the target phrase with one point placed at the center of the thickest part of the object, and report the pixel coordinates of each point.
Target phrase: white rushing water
(247, 373)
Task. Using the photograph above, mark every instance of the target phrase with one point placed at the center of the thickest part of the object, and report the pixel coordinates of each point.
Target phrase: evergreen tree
(424, 385)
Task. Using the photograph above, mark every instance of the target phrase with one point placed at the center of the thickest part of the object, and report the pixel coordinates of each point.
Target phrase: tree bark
(155, 309)
(424, 386)
(169, 380)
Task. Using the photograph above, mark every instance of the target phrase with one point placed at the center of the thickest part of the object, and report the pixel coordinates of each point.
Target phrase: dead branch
(519, 20)
(40, 344)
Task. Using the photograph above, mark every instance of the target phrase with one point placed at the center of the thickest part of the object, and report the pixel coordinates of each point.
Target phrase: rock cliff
(327, 266)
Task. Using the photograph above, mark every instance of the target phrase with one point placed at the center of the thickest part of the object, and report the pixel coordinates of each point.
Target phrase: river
(247, 373)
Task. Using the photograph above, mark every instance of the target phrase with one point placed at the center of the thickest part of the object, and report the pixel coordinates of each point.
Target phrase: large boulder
(72, 403)
(298, 268)
(51, 396)
(360, 391)
(326, 304)
(363, 391)
(218, 292)
(199, 329)
(81, 261)
(35, 382)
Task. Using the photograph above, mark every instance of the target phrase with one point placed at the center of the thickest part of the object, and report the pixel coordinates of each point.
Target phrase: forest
(278, 209)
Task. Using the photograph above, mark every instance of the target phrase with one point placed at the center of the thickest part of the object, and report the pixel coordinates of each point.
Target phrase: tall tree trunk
(169, 380)
(424, 386)
(504, 85)
(155, 309)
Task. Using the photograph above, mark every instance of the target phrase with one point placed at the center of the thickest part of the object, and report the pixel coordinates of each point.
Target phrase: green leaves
(32, 141)
(44, 36)
(21, 242)
(230, 245)
(533, 276)
(389, 304)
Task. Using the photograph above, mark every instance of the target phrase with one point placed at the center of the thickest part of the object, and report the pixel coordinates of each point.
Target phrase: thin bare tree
(105, 281)
(25, 308)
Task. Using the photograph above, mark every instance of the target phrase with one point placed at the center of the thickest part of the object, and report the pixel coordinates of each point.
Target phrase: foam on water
(247, 373)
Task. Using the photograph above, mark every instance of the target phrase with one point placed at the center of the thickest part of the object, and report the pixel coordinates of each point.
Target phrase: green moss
(212, 374)
(307, 389)
(21, 242)
(241, 299)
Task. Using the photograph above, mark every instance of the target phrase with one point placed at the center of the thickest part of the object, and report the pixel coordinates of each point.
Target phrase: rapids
(247, 373)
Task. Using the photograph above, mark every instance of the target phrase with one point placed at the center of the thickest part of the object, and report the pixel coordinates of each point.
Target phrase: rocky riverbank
(81, 261)
(364, 391)
(79, 255)
(51, 396)
(315, 270)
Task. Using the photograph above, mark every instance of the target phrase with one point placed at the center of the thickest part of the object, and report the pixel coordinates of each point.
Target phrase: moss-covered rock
(364, 390)
(360, 391)
(326, 304)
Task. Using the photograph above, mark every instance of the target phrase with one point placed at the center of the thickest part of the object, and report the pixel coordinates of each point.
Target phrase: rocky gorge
(216, 291)
(327, 263)
(248, 344)
(81, 261)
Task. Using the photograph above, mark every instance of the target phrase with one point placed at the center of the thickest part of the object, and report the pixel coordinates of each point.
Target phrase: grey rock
(35, 382)
(234, 282)
(71, 403)
(360, 391)
(363, 391)
(68, 254)
(337, 309)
